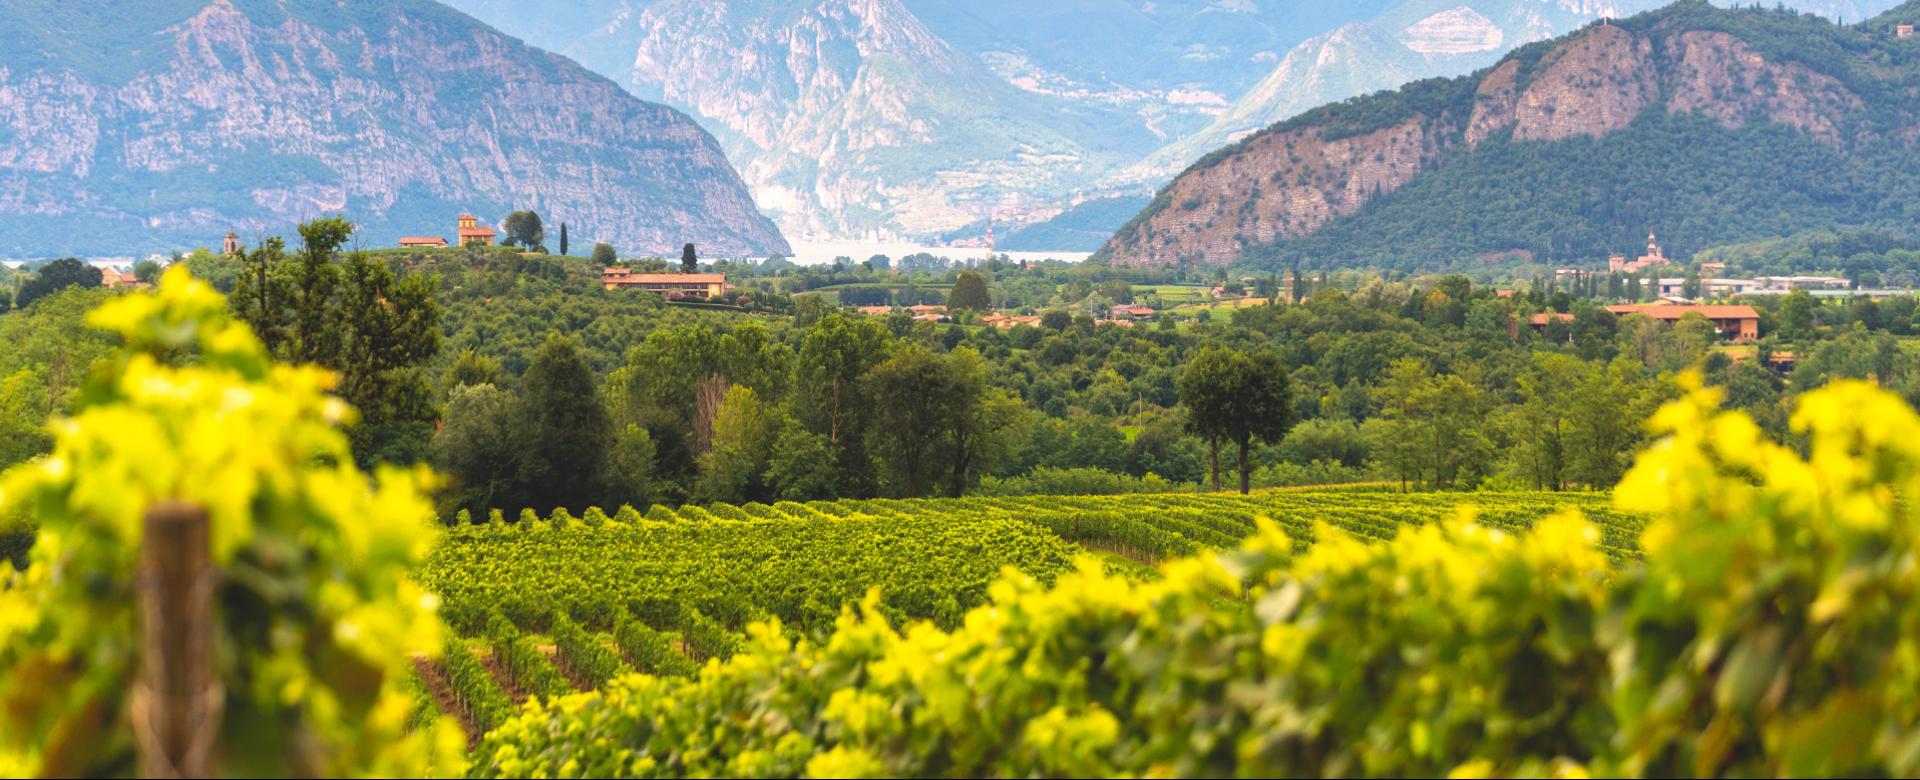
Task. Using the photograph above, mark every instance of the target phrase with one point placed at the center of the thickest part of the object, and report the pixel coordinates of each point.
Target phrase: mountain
(851, 117)
(916, 118)
(1406, 42)
(1703, 124)
(132, 127)
(885, 118)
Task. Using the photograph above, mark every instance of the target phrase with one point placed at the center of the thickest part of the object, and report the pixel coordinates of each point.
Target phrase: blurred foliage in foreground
(1772, 630)
(314, 605)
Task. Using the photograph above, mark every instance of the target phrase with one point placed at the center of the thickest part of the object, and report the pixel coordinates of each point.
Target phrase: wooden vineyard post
(177, 700)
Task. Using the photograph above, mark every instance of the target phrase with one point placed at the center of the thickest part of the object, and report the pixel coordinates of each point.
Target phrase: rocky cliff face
(854, 118)
(851, 118)
(400, 114)
(1295, 178)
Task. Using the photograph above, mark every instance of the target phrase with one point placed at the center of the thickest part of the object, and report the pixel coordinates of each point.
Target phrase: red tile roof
(623, 276)
(1674, 311)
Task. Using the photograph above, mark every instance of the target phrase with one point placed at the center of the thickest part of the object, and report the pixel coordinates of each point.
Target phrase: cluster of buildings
(468, 230)
(1619, 264)
(924, 312)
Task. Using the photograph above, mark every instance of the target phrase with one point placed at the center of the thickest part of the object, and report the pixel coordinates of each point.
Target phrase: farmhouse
(112, 279)
(703, 285)
(1133, 311)
(1738, 323)
(472, 233)
(422, 241)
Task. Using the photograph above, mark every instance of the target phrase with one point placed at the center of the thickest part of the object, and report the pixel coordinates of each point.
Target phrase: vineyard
(547, 606)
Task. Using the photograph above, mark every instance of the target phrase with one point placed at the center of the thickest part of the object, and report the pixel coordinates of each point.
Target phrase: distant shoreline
(823, 252)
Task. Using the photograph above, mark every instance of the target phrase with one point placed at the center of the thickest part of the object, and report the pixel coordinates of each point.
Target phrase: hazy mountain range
(133, 127)
(854, 118)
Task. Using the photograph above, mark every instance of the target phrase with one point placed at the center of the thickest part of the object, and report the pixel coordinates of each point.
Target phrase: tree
(563, 238)
(925, 410)
(735, 469)
(631, 478)
(1056, 320)
(263, 293)
(523, 229)
(479, 444)
(469, 369)
(1602, 439)
(1545, 414)
(808, 309)
(689, 260)
(389, 331)
(603, 255)
(802, 466)
(314, 335)
(830, 393)
(146, 271)
(1237, 397)
(353, 315)
(565, 432)
(54, 277)
(969, 293)
(1796, 315)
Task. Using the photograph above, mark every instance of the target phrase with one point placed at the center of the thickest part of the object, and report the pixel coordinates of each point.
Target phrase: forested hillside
(1704, 125)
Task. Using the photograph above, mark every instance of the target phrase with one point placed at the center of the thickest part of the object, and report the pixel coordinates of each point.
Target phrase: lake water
(823, 252)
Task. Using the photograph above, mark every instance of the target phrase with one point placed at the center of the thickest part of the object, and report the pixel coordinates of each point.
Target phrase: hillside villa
(472, 233)
(702, 285)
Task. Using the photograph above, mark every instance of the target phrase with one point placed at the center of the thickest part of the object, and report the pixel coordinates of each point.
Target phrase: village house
(472, 233)
(112, 278)
(1903, 31)
(1133, 311)
(924, 309)
(702, 285)
(422, 242)
(1736, 323)
(875, 311)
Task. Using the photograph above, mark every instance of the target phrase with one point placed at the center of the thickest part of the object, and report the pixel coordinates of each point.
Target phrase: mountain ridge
(1268, 197)
(252, 115)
